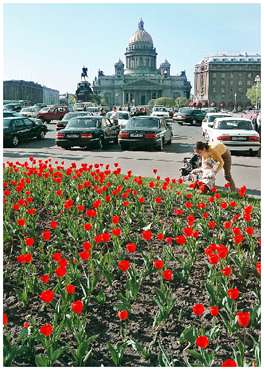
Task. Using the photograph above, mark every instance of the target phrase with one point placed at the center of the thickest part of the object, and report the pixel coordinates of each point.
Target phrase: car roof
(12, 118)
(233, 119)
(152, 117)
(218, 114)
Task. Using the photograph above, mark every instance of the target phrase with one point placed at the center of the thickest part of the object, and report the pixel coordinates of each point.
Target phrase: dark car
(63, 123)
(18, 129)
(87, 131)
(145, 131)
(14, 107)
(189, 115)
(11, 114)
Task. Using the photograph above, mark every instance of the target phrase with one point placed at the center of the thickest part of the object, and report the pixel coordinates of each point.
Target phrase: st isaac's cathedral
(140, 80)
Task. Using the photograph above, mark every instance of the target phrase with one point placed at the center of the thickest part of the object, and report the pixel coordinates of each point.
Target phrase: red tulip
(53, 224)
(258, 267)
(115, 219)
(85, 255)
(214, 310)
(202, 341)
(147, 235)
(24, 258)
(5, 319)
(131, 247)
(44, 278)
(29, 242)
(21, 222)
(243, 319)
(46, 330)
(180, 239)
(198, 309)
(167, 275)
(47, 296)
(77, 307)
(70, 289)
(226, 271)
(46, 235)
(229, 363)
(233, 293)
(158, 264)
(122, 315)
(123, 265)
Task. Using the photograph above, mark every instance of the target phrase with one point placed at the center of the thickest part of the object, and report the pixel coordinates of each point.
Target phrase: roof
(232, 58)
(233, 119)
(140, 35)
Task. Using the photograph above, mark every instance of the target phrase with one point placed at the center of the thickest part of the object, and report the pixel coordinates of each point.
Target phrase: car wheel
(15, 141)
(41, 135)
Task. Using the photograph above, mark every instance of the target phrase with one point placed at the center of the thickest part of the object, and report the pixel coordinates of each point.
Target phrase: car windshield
(211, 118)
(83, 123)
(45, 109)
(234, 125)
(143, 123)
(6, 122)
(185, 110)
(123, 116)
(68, 116)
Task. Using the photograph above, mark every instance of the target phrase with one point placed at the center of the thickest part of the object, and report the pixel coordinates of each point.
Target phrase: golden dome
(141, 36)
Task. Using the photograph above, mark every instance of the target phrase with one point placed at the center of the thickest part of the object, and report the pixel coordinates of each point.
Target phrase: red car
(48, 114)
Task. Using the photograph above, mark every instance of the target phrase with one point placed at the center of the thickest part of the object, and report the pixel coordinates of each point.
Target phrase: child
(204, 175)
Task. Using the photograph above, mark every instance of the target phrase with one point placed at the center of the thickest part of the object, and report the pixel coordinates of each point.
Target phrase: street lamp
(235, 95)
(257, 80)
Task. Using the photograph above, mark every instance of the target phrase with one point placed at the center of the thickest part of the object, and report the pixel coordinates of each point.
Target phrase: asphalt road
(245, 169)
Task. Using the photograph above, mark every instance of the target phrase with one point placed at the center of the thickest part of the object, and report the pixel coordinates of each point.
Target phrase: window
(249, 75)
(214, 74)
(223, 75)
(223, 82)
(240, 83)
(222, 91)
(214, 82)
(18, 123)
(28, 122)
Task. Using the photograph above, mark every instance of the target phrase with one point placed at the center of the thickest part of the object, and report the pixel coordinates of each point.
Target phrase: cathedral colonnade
(140, 97)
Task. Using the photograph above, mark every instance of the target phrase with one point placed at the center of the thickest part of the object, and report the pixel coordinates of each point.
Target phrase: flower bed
(108, 269)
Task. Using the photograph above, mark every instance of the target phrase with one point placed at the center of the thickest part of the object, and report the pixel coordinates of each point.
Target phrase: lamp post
(235, 95)
(257, 80)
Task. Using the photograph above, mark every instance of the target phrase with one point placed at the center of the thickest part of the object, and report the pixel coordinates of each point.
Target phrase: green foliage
(254, 94)
(181, 101)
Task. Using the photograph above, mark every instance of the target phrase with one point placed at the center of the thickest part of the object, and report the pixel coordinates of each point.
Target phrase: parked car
(18, 129)
(7, 113)
(189, 115)
(237, 134)
(12, 107)
(160, 111)
(30, 111)
(209, 120)
(50, 113)
(63, 123)
(123, 117)
(145, 131)
(87, 131)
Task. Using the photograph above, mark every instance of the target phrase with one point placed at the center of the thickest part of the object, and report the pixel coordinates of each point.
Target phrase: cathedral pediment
(142, 83)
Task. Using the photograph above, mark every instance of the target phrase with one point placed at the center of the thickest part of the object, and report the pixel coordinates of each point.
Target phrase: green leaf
(41, 360)
(188, 335)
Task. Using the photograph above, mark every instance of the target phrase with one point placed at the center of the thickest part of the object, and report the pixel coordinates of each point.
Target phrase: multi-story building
(30, 91)
(223, 80)
(140, 80)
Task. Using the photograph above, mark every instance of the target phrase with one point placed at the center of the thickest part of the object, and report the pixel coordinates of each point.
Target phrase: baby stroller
(190, 163)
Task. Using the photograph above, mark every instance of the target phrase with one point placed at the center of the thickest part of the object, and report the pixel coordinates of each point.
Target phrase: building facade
(223, 80)
(139, 80)
(30, 91)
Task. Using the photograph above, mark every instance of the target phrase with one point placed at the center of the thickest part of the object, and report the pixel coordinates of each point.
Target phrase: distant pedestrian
(221, 154)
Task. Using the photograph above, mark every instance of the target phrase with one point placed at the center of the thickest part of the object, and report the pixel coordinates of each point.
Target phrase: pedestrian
(114, 116)
(221, 154)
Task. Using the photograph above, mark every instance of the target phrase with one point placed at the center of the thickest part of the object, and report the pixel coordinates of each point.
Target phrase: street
(245, 169)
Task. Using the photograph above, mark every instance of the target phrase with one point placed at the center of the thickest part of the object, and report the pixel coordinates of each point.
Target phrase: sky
(49, 43)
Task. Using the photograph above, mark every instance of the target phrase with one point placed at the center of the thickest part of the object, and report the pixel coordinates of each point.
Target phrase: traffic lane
(245, 170)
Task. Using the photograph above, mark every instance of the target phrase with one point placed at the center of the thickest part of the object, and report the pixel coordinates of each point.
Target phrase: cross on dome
(141, 24)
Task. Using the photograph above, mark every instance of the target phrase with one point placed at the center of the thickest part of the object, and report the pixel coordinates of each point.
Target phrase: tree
(167, 102)
(254, 95)
(181, 101)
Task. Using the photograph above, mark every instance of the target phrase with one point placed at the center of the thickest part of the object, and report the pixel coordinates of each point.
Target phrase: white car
(123, 117)
(160, 112)
(209, 120)
(236, 133)
(30, 111)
